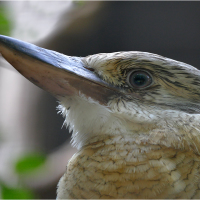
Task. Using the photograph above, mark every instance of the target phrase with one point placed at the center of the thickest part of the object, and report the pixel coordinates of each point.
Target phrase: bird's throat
(114, 167)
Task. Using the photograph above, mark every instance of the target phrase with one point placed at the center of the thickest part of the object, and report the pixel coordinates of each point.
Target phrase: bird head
(144, 97)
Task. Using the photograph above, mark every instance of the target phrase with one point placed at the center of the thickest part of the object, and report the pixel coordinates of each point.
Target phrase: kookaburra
(135, 118)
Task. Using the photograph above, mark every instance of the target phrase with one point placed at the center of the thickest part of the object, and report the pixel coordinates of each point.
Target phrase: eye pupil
(139, 79)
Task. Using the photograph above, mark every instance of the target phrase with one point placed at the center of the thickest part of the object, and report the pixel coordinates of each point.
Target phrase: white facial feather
(87, 118)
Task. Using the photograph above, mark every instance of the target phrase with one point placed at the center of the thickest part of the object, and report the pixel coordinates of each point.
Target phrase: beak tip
(7, 41)
(25, 48)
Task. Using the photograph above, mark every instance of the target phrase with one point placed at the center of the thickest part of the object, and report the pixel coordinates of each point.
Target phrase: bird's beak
(56, 73)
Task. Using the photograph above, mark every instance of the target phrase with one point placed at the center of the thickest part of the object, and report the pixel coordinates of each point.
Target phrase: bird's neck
(117, 167)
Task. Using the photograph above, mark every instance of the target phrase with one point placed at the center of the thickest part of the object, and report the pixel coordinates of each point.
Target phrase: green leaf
(5, 23)
(29, 163)
(15, 193)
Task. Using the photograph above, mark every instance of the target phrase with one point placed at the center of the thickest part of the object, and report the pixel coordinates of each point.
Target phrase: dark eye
(139, 79)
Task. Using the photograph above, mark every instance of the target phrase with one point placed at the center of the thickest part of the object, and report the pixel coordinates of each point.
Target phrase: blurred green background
(5, 22)
(34, 149)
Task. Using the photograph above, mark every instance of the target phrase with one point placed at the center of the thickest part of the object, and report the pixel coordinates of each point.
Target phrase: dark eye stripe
(139, 79)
